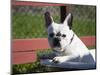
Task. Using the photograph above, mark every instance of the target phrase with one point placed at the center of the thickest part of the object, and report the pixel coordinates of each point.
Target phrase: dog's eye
(63, 35)
(51, 35)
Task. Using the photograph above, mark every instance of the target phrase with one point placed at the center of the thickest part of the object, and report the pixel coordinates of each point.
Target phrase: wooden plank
(29, 44)
(23, 57)
(29, 3)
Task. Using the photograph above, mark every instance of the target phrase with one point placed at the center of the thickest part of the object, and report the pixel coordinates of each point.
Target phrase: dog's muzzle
(56, 42)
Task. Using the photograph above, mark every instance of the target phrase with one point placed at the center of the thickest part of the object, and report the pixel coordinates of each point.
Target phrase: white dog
(65, 43)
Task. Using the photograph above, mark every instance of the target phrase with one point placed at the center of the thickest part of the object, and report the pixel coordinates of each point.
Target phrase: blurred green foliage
(33, 26)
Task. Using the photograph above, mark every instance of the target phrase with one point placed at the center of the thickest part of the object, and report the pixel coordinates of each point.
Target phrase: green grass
(29, 26)
(84, 27)
(33, 26)
(92, 47)
(35, 67)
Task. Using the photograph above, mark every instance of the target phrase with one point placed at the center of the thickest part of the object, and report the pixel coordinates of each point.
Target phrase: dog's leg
(60, 59)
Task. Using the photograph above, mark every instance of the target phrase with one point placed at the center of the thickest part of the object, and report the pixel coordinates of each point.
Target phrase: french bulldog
(65, 43)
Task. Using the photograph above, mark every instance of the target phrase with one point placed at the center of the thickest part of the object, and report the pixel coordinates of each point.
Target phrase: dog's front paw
(56, 59)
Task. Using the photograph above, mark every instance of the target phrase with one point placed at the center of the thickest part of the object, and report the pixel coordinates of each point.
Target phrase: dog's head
(59, 35)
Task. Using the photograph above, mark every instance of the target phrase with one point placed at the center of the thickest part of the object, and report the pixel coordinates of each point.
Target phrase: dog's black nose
(57, 39)
(56, 42)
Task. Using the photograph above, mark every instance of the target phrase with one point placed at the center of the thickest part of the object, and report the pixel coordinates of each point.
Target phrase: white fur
(76, 51)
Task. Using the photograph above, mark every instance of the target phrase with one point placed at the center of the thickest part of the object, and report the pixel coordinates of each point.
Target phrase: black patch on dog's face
(56, 42)
(51, 35)
(56, 38)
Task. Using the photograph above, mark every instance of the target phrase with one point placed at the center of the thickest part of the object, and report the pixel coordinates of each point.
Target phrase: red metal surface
(24, 50)
(29, 3)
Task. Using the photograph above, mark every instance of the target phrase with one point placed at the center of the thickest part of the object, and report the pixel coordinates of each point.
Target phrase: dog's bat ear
(48, 19)
(69, 20)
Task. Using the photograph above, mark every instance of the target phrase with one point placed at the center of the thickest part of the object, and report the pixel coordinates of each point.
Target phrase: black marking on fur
(71, 39)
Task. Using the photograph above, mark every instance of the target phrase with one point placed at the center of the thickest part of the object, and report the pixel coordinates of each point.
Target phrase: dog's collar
(71, 39)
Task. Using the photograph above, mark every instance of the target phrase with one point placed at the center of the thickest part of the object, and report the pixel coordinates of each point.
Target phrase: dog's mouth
(58, 49)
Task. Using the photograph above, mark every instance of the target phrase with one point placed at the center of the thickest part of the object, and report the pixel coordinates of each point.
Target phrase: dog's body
(65, 43)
